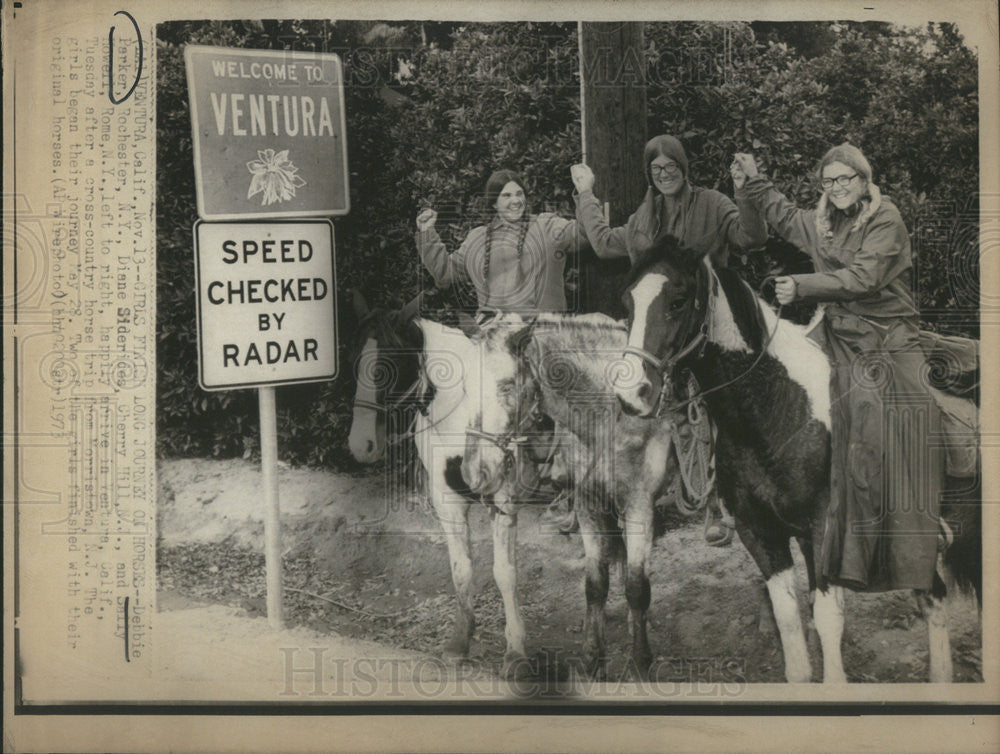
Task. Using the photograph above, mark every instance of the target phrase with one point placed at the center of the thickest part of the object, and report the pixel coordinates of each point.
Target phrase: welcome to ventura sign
(269, 133)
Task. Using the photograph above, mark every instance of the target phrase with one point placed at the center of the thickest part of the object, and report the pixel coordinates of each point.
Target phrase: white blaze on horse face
(643, 295)
(367, 438)
(496, 408)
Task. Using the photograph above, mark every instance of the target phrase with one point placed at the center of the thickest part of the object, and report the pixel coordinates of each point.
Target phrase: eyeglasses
(658, 170)
(841, 180)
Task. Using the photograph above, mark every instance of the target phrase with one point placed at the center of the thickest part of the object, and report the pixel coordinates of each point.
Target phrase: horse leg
(454, 517)
(505, 575)
(828, 615)
(932, 607)
(596, 578)
(639, 544)
(769, 548)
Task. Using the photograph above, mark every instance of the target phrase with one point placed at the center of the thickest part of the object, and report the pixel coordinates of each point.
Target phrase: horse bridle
(396, 439)
(666, 365)
(508, 442)
(512, 441)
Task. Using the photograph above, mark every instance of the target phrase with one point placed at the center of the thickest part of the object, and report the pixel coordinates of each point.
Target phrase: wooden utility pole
(613, 107)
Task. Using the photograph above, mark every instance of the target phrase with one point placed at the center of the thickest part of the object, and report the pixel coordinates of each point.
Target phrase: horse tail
(962, 511)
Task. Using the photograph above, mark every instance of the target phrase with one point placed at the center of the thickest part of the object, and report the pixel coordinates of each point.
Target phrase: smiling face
(510, 203)
(668, 178)
(844, 196)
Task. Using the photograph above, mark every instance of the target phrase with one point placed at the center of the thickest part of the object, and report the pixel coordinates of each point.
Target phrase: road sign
(269, 133)
(266, 302)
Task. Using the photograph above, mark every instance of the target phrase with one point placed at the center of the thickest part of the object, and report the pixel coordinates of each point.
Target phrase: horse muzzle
(489, 459)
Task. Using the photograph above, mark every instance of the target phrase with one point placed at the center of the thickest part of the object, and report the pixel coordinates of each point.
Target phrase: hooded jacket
(703, 220)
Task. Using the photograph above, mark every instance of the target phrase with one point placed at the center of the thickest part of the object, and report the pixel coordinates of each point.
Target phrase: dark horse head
(667, 301)
(387, 368)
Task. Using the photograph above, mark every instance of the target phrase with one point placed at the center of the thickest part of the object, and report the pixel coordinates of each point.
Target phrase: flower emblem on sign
(274, 176)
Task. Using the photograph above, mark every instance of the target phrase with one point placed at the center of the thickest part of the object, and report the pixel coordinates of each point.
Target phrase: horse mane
(572, 353)
(745, 306)
(397, 332)
(666, 248)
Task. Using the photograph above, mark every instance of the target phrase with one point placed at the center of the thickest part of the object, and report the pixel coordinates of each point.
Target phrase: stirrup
(726, 535)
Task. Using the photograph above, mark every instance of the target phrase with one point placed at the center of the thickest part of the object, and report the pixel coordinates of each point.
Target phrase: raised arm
(444, 267)
(756, 198)
(743, 227)
(565, 236)
(607, 242)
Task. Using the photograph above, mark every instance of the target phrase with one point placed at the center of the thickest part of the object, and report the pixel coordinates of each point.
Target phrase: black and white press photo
(657, 365)
(483, 376)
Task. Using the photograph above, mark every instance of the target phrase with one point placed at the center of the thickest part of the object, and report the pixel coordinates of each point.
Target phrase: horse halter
(513, 441)
(508, 442)
(666, 365)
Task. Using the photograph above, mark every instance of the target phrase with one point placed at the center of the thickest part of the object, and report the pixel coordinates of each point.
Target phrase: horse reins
(505, 440)
(666, 365)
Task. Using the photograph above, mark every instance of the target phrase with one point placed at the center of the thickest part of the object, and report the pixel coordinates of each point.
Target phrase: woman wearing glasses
(703, 220)
(882, 523)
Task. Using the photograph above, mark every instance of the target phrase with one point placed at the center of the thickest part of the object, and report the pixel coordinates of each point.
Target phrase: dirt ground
(362, 570)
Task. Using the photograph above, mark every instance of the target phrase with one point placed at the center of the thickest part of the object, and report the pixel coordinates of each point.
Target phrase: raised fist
(743, 166)
(583, 177)
(426, 219)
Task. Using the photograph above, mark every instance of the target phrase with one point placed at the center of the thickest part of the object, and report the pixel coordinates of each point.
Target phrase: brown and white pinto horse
(618, 465)
(766, 385)
(434, 369)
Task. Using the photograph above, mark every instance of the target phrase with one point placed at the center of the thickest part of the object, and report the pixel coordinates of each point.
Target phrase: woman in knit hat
(701, 219)
(882, 522)
(516, 262)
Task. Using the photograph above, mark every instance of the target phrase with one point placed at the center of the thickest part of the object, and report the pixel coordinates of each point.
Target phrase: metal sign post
(272, 507)
(266, 305)
(270, 141)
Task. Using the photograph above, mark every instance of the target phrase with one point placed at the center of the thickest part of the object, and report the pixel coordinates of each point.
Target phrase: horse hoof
(455, 650)
(515, 667)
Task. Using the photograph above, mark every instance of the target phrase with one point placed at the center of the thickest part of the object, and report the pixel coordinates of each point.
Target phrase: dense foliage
(433, 108)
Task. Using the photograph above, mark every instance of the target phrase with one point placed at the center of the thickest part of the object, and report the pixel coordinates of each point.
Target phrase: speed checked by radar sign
(266, 303)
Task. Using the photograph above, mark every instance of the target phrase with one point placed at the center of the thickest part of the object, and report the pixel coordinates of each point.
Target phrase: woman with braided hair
(516, 262)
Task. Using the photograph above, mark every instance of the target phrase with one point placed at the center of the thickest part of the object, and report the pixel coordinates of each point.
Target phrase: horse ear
(692, 261)
(520, 339)
(412, 308)
(360, 305)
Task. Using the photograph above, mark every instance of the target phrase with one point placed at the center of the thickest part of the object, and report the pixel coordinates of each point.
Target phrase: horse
(410, 359)
(564, 366)
(766, 385)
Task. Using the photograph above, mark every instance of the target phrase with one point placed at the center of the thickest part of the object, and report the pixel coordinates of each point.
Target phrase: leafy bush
(433, 108)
